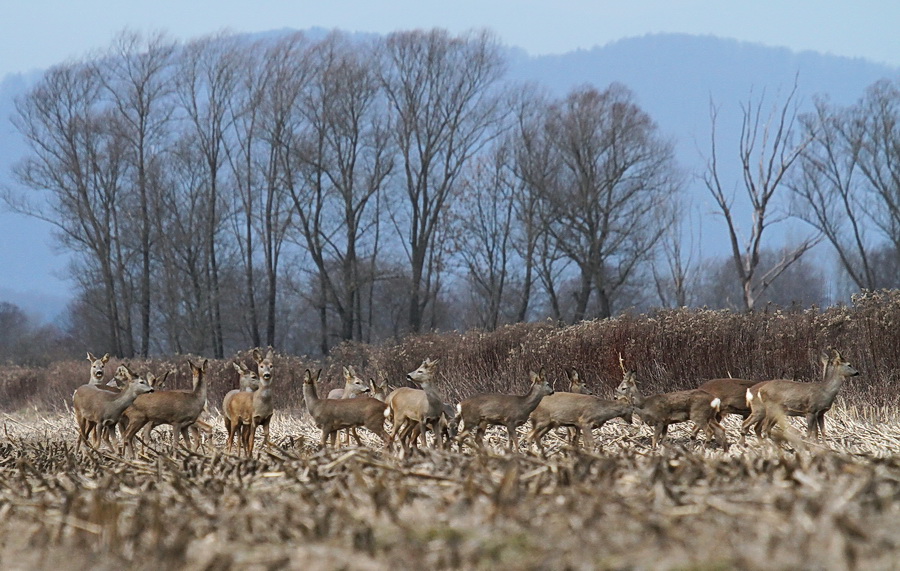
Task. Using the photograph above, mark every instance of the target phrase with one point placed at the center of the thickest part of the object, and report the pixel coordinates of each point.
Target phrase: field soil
(762, 505)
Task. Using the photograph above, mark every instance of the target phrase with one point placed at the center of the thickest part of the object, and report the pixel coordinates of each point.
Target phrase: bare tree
(829, 191)
(74, 179)
(208, 75)
(136, 75)
(609, 198)
(441, 91)
(343, 160)
(485, 216)
(767, 150)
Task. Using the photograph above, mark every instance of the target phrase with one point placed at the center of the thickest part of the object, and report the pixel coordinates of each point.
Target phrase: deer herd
(134, 403)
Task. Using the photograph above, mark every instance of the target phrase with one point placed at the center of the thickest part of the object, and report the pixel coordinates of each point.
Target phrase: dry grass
(758, 506)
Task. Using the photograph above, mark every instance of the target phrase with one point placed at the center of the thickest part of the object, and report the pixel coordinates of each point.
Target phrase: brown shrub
(670, 349)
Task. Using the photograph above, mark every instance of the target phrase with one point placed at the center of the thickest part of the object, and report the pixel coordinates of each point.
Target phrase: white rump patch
(458, 409)
(716, 403)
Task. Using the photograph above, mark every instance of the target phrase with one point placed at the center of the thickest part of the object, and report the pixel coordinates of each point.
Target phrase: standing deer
(510, 411)
(661, 410)
(178, 408)
(99, 410)
(415, 410)
(332, 415)
(771, 400)
(354, 386)
(97, 367)
(248, 381)
(252, 410)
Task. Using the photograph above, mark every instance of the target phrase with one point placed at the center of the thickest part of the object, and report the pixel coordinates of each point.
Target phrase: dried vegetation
(830, 505)
(755, 507)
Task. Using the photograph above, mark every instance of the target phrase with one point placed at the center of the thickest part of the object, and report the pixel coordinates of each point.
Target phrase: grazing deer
(770, 400)
(510, 411)
(99, 410)
(415, 410)
(582, 413)
(332, 415)
(659, 411)
(248, 381)
(733, 396)
(178, 408)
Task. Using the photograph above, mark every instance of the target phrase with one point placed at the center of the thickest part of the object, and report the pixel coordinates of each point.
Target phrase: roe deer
(98, 409)
(248, 381)
(414, 410)
(576, 386)
(252, 410)
(580, 412)
(97, 366)
(354, 386)
(770, 399)
(510, 411)
(661, 410)
(733, 396)
(179, 408)
(332, 415)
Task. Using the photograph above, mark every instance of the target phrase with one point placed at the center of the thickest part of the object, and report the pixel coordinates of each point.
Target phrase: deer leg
(513, 440)
(812, 426)
(821, 420)
(588, 432)
(265, 427)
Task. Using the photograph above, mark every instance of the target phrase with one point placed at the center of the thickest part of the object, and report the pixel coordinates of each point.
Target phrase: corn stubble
(757, 506)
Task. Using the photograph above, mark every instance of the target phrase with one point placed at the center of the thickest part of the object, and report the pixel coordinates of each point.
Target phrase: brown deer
(661, 410)
(178, 408)
(576, 386)
(248, 381)
(332, 415)
(99, 410)
(354, 386)
(733, 396)
(97, 367)
(413, 411)
(511, 411)
(580, 412)
(770, 400)
(252, 410)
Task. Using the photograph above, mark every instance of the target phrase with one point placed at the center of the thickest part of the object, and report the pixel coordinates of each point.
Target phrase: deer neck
(121, 402)
(832, 384)
(310, 396)
(533, 398)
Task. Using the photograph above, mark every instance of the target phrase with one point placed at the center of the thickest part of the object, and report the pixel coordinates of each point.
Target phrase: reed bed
(831, 505)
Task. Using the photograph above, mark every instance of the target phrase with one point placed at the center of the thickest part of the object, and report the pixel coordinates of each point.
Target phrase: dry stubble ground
(622, 507)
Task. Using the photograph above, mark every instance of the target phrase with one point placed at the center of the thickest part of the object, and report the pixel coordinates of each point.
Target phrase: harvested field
(623, 507)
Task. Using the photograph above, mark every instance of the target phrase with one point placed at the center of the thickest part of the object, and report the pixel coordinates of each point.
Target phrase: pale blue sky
(35, 34)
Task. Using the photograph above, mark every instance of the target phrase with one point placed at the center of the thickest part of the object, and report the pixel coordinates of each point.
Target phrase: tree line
(300, 193)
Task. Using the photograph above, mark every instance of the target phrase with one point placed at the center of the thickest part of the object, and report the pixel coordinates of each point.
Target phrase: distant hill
(673, 76)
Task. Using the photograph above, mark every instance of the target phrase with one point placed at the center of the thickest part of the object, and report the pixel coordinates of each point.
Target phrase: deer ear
(236, 366)
(105, 358)
(824, 357)
(91, 357)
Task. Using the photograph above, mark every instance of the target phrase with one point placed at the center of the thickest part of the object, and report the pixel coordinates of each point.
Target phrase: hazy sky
(35, 34)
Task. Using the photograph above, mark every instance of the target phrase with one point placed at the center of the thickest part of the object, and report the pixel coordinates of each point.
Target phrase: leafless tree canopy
(304, 193)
